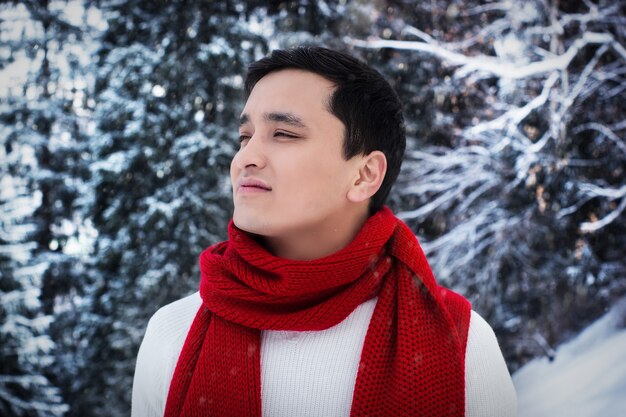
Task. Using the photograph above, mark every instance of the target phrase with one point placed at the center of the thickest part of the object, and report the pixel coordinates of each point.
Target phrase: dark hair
(363, 100)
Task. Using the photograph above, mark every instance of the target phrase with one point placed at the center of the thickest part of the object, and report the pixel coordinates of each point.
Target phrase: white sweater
(312, 373)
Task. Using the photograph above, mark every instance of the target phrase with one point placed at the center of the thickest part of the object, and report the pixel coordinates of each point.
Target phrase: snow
(14, 75)
(114, 162)
(83, 242)
(489, 64)
(12, 301)
(19, 252)
(260, 24)
(587, 377)
(158, 91)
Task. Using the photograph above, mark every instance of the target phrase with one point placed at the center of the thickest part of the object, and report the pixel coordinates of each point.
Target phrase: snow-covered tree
(515, 175)
(26, 348)
(118, 121)
(168, 98)
(167, 103)
(43, 169)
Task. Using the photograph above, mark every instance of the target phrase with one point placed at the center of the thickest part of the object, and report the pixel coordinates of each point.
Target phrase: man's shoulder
(176, 317)
(158, 354)
(481, 330)
(489, 389)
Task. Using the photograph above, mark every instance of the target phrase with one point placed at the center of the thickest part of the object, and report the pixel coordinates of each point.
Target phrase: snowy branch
(609, 193)
(16, 402)
(514, 116)
(605, 131)
(582, 80)
(490, 64)
(438, 175)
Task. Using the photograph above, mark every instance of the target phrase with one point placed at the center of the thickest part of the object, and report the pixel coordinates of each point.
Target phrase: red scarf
(413, 359)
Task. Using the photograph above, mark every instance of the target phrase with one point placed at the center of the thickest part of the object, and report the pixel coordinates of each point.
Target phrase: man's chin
(250, 223)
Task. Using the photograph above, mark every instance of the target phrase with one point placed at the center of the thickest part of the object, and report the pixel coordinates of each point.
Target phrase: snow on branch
(490, 64)
(605, 131)
(577, 90)
(593, 190)
(594, 15)
(454, 175)
(494, 29)
(517, 114)
(16, 402)
(466, 242)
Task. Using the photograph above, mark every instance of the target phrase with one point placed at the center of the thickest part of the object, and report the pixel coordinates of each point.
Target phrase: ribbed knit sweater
(312, 373)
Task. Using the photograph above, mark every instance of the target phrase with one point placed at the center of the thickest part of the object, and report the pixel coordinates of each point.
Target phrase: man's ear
(372, 169)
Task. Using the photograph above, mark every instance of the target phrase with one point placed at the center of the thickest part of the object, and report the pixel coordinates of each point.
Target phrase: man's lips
(253, 184)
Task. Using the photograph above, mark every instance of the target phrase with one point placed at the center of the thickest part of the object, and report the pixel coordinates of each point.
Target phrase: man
(321, 303)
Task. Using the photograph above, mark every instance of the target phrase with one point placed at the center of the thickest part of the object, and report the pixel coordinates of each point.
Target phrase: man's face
(289, 175)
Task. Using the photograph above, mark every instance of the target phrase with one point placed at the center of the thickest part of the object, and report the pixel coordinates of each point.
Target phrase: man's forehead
(290, 96)
(291, 83)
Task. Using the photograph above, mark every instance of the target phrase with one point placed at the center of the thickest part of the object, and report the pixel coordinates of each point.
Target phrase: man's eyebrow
(287, 118)
(281, 117)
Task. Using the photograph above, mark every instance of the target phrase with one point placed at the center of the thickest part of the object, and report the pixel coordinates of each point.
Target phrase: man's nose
(251, 154)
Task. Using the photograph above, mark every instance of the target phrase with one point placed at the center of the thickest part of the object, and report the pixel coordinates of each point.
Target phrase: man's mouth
(253, 185)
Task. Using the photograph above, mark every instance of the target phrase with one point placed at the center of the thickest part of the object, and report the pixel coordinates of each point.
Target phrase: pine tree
(42, 171)
(168, 96)
(26, 349)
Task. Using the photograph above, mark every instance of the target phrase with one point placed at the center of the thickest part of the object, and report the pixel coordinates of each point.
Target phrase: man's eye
(243, 137)
(280, 133)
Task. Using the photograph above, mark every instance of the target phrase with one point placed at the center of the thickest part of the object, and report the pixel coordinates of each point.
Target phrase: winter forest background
(118, 120)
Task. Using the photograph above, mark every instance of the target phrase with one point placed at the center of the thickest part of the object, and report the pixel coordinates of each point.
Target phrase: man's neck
(318, 242)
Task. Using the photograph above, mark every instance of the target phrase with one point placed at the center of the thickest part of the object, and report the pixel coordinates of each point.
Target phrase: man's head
(321, 144)
(362, 100)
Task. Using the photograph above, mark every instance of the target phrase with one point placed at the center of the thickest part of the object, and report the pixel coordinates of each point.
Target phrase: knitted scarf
(413, 358)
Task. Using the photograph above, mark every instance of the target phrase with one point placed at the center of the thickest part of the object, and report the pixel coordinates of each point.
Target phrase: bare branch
(593, 190)
(492, 65)
(584, 76)
(495, 29)
(610, 193)
(495, 6)
(588, 227)
(605, 131)
(516, 115)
